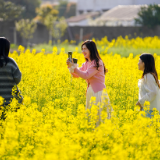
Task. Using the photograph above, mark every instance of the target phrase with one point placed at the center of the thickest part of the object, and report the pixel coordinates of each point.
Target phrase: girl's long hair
(94, 55)
(4, 50)
(149, 62)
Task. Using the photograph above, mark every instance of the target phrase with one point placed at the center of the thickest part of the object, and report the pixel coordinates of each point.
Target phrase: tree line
(27, 13)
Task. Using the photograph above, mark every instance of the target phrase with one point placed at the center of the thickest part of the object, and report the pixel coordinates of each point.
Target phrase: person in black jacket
(10, 74)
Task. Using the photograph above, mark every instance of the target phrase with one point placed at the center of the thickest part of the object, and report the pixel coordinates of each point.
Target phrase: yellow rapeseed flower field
(52, 123)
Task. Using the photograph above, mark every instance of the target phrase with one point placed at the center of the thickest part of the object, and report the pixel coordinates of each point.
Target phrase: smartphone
(70, 56)
(75, 60)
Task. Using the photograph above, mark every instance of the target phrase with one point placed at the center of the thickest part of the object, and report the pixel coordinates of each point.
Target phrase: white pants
(101, 97)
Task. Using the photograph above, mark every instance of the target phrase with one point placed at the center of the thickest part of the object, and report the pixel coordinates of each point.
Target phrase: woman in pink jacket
(93, 71)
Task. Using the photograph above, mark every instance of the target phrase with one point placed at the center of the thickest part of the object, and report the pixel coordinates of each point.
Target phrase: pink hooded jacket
(94, 77)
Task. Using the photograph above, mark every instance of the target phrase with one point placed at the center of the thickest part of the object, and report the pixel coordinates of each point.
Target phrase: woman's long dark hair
(94, 55)
(149, 63)
(4, 50)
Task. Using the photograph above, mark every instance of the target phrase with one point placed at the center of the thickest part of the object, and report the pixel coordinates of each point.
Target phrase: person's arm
(16, 72)
(81, 69)
(152, 89)
(92, 70)
(75, 75)
(17, 75)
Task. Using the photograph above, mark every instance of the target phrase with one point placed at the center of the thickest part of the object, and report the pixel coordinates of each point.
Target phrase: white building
(82, 19)
(84, 6)
(122, 15)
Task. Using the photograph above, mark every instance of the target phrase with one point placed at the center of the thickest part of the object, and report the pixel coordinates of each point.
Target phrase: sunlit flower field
(52, 123)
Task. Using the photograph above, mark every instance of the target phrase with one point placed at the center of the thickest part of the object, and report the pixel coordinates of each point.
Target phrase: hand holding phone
(70, 56)
(75, 60)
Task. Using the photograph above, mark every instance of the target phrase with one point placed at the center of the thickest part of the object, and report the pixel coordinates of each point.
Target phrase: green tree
(26, 28)
(58, 27)
(71, 10)
(9, 11)
(62, 7)
(45, 11)
(29, 7)
(149, 16)
(49, 17)
(66, 9)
